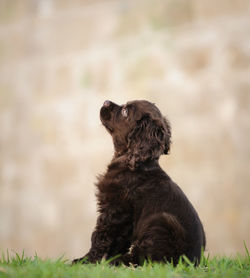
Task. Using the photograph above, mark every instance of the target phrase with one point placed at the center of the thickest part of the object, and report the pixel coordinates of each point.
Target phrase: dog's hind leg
(160, 238)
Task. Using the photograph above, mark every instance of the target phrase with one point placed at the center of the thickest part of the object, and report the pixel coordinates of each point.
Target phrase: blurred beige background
(60, 59)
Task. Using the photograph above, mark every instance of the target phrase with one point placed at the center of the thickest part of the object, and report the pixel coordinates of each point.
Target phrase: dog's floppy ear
(167, 128)
(148, 140)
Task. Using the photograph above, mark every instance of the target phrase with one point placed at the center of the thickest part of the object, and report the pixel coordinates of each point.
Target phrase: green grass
(22, 266)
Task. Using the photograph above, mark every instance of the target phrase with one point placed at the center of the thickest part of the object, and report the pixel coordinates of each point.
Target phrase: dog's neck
(149, 165)
(122, 162)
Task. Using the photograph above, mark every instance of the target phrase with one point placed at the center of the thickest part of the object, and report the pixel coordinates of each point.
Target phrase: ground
(21, 266)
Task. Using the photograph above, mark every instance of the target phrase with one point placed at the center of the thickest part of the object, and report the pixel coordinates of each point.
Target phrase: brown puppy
(143, 214)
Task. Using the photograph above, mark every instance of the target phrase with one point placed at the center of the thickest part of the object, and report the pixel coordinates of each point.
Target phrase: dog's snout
(108, 114)
(106, 110)
(106, 103)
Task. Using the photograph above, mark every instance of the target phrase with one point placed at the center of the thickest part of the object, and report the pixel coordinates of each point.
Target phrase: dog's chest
(115, 189)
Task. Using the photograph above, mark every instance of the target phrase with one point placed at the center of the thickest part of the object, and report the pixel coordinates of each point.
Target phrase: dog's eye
(124, 112)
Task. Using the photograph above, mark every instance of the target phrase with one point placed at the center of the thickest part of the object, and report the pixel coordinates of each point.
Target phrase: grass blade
(248, 256)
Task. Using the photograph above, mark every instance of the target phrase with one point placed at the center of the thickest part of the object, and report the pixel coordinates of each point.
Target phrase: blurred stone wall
(60, 59)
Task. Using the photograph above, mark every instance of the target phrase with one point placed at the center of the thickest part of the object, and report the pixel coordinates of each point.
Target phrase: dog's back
(163, 214)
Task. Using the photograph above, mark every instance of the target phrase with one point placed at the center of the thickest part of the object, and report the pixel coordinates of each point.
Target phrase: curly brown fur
(143, 214)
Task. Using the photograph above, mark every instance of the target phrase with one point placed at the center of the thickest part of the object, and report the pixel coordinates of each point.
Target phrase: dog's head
(139, 131)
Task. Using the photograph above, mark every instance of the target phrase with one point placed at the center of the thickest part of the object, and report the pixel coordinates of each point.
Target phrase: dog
(143, 214)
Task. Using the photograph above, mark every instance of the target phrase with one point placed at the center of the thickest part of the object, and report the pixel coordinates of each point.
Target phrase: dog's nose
(106, 103)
